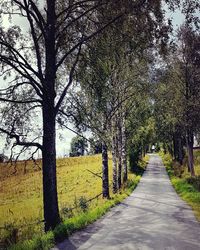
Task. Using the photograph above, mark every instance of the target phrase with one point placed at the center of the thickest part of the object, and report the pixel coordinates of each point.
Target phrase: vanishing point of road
(152, 217)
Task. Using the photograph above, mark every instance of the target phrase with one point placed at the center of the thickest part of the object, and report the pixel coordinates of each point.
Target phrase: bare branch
(75, 132)
(21, 143)
(95, 174)
(20, 101)
(25, 74)
(69, 82)
(35, 39)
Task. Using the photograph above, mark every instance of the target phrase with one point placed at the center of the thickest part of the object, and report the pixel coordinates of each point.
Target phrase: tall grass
(21, 196)
(186, 187)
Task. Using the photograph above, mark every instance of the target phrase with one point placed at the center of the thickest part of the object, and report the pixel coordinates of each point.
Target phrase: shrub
(11, 235)
(194, 181)
(178, 169)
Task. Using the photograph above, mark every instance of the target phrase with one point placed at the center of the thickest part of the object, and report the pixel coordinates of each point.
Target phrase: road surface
(153, 217)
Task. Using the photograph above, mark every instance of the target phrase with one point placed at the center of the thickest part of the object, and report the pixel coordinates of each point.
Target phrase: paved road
(153, 217)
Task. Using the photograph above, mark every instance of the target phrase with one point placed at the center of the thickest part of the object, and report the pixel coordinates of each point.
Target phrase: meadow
(21, 191)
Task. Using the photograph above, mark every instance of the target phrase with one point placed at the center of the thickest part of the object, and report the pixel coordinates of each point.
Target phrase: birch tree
(40, 66)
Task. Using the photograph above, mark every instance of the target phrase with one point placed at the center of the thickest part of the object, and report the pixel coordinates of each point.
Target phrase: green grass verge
(187, 191)
(63, 230)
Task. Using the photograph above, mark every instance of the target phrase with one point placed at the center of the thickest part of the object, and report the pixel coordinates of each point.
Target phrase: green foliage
(44, 242)
(194, 181)
(95, 146)
(137, 164)
(78, 146)
(134, 156)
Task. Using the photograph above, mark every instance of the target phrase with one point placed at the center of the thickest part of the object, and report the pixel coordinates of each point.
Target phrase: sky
(63, 145)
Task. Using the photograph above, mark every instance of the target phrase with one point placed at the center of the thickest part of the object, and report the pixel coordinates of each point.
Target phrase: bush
(195, 182)
(178, 169)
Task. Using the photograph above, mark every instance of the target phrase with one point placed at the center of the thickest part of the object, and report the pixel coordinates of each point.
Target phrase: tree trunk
(114, 155)
(180, 150)
(175, 147)
(114, 162)
(123, 149)
(50, 199)
(119, 151)
(105, 177)
(190, 142)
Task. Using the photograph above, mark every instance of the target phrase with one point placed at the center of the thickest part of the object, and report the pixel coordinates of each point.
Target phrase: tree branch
(21, 143)
(95, 174)
(20, 101)
(85, 40)
(69, 82)
(35, 39)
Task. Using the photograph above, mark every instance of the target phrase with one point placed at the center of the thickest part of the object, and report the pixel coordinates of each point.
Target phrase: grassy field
(21, 191)
(188, 188)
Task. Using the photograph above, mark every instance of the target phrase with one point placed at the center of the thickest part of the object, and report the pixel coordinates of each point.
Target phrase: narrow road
(153, 217)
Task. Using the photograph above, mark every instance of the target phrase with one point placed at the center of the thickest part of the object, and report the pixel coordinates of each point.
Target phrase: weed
(83, 204)
(66, 212)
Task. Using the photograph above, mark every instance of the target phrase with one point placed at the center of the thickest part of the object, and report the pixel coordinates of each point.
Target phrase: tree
(95, 146)
(78, 146)
(3, 158)
(39, 67)
(180, 87)
(189, 70)
(105, 83)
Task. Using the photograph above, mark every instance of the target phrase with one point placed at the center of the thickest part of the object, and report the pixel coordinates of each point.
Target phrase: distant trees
(95, 146)
(3, 158)
(190, 75)
(177, 97)
(78, 146)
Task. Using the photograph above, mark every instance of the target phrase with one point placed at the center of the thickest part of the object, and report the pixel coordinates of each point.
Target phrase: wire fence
(5, 228)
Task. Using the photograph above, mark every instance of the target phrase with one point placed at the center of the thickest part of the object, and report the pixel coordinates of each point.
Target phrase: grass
(75, 223)
(21, 196)
(186, 189)
(23, 192)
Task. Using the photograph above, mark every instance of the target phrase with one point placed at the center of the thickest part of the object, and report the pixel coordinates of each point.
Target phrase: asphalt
(152, 217)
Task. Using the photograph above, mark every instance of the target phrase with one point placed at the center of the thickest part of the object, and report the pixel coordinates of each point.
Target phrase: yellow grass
(21, 194)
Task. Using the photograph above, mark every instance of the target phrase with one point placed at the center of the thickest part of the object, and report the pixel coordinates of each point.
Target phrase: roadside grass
(21, 196)
(81, 220)
(184, 185)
